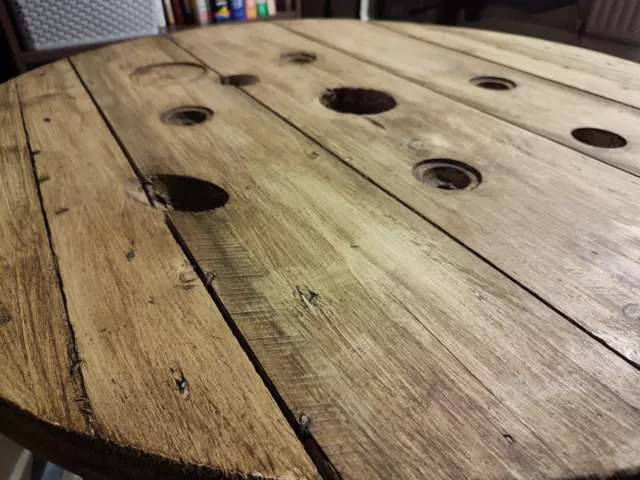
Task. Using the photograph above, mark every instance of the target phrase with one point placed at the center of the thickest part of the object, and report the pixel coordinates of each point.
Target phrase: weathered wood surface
(36, 344)
(598, 73)
(393, 350)
(532, 103)
(163, 373)
(560, 223)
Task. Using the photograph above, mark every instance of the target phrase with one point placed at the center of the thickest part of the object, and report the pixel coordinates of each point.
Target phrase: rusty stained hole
(162, 74)
(299, 57)
(358, 101)
(597, 137)
(493, 83)
(185, 194)
(240, 80)
(447, 174)
(187, 116)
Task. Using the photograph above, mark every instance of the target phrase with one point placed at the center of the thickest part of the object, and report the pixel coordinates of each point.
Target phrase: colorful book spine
(220, 10)
(176, 6)
(201, 12)
(262, 8)
(237, 9)
(271, 7)
(187, 12)
(168, 12)
(250, 9)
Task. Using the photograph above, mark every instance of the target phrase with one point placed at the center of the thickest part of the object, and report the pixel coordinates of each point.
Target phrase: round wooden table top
(324, 248)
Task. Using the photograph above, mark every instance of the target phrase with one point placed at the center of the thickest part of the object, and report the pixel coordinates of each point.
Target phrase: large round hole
(360, 101)
(186, 194)
(168, 73)
(447, 174)
(298, 57)
(239, 80)
(187, 115)
(599, 138)
(493, 83)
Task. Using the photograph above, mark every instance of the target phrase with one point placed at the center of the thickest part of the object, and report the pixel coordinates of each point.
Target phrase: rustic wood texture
(559, 222)
(164, 374)
(598, 73)
(398, 350)
(36, 345)
(532, 104)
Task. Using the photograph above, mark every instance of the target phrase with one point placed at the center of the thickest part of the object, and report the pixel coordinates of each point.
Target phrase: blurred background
(33, 32)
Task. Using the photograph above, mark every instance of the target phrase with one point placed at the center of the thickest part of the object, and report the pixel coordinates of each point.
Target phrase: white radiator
(614, 19)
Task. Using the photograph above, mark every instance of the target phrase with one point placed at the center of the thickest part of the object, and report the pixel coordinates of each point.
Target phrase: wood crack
(74, 359)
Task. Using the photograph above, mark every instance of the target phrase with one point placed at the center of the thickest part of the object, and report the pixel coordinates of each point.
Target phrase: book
(250, 9)
(220, 10)
(177, 12)
(237, 9)
(201, 13)
(168, 12)
(271, 7)
(262, 8)
(187, 12)
(162, 21)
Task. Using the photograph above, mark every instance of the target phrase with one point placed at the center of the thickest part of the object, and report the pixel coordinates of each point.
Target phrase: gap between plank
(458, 100)
(76, 362)
(432, 223)
(321, 461)
(378, 24)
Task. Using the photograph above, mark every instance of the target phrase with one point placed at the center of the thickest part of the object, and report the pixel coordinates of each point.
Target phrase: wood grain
(560, 223)
(164, 374)
(532, 104)
(36, 345)
(595, 72)
(402, 353)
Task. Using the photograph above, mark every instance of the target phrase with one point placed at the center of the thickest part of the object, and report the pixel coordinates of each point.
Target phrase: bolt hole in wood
(447, 174)
(161, 74)
(298, 57)
(358, 101)
(240, 80)
(493, 83)
(187, 116)
(185, 194)
(597, 137)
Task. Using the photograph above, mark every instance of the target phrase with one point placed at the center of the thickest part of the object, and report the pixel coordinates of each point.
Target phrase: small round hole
(185, 194)
(298, 57)
(168, 73)
(187, 116)
(239, 80)
(360, 101)
(493, 83)
(599, 138)
(447, 174)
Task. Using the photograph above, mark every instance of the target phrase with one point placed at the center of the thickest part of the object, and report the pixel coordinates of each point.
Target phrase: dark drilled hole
(360, 101)
(186, 194)
(187, 115)
(599, 138)
(168, 73)
(447, 174)
(239, 80)
(493, 83)
(298, 57)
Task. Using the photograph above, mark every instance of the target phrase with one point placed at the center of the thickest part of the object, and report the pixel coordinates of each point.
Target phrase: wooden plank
(610, 77)
(164, 374)
(399, 351)
(559, 222)
(532, 104)
(36, 345)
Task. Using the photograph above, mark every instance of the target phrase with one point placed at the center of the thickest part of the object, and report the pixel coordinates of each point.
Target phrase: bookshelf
(26, 59)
